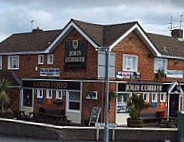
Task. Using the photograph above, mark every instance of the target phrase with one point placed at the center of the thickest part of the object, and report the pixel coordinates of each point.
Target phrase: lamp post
(106, 108)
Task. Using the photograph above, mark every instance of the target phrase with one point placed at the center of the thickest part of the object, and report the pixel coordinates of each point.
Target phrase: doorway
(73, 106)
(173, 105)
(122, 109)
(27, 100)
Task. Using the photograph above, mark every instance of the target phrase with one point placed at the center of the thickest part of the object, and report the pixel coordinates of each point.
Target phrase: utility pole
(106, 108)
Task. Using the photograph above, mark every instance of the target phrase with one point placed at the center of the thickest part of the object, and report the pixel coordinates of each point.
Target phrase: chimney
(177, 33)
(37, 30)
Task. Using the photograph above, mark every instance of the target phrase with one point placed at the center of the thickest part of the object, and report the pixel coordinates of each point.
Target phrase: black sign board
(75, 55)
(52, 84)
(95, 113)
(142, 87)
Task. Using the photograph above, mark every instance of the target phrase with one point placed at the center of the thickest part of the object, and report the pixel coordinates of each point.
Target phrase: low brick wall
(70, 133)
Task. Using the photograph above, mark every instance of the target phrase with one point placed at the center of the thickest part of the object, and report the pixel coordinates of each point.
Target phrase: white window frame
(57, 94)
(48, 95)
(77, 101)
(39, 59)
(9, 66)
(154, 101)
(147, 97)
(48, 59)
(93, 98)
(156, 62)
(39, 93)
(130, 70)
(1, 62)
(164, 97)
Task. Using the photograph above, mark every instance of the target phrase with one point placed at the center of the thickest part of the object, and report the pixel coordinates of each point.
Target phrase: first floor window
(160, 64)
(49, 94)
(0, 62)
(58, 94)
(13, 62)
(162, 97)
(74, 101)
(154, 97)
(50, 58)
(40, 59)
(130, 63)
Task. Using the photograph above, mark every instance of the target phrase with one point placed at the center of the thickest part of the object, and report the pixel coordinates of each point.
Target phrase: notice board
(95, 113)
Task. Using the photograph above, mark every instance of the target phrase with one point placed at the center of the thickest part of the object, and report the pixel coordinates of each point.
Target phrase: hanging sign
(174, 73)
(75, 55)
(128, 75)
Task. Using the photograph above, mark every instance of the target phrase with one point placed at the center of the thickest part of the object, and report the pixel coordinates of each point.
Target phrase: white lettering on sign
(144, 88)
(110, 125)
(74, 59)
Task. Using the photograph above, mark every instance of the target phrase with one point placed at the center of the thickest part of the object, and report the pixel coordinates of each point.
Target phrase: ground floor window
(121, 102)
(58, 94)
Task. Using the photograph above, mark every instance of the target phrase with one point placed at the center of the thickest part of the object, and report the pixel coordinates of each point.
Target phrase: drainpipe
(168, 103)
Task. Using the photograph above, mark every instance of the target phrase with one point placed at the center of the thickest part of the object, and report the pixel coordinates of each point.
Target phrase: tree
(4, 98)
(135, 105)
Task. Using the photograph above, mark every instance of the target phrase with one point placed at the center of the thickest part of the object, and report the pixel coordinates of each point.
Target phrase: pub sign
(142, 87)
(75, 55)
(51, 84)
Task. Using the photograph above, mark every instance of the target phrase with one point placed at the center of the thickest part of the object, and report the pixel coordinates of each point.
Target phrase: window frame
(48, 93)
(155, 64)
(147, 97)
(75, 101)
(154, 101)
(39, 61)
(9, 67)
(164, 97)
(38, 93)
(92, 98)
(1, 62)
(136, 61)
(48, 59)
(57, 94)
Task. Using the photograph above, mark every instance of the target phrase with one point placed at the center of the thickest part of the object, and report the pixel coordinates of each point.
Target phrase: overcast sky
(153, 15)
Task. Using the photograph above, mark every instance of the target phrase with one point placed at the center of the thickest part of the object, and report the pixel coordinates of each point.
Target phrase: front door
(73, 106)
(27, 100)
(122, 109)
(173, 105)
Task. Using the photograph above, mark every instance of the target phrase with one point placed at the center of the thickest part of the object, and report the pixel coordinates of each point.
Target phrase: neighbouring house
(68, 66)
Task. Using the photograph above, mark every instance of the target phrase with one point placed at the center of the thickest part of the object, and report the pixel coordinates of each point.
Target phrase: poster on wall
(174, 73)
(75, 55)
(122, 107)
(128, 75)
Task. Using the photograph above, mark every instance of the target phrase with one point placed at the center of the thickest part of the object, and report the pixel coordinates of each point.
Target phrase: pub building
(65, 69)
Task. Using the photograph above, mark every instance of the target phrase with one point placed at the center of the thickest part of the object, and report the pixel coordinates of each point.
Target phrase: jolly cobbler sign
(75, 55)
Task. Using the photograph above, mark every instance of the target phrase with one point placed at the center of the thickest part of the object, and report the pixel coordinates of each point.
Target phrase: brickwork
(29, 63)
(132, 44)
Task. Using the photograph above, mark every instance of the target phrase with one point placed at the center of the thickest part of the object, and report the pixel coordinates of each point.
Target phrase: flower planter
(134, 122)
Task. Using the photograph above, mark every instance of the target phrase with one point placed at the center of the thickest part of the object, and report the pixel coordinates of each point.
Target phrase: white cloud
(154, 16)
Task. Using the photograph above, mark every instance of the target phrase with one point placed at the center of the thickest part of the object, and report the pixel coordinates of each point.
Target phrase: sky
(153, 15)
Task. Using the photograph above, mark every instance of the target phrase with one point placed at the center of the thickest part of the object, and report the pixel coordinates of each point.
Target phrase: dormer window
(40, 59)
(50, 59)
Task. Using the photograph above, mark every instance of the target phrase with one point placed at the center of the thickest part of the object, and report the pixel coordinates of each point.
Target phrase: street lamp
(106, 108)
